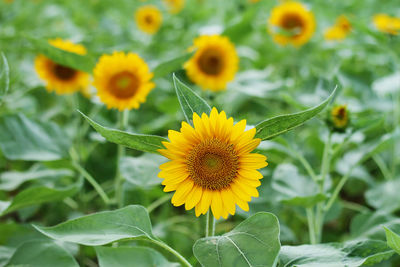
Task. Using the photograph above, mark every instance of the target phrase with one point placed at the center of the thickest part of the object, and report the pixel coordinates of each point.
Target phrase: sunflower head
(340, 30)
(214, 63)
(122, 80)
(291, 23)
(148, 19)
(174, 6)
(339, 118)
(60, 78)
(211, 165)
(387, 24)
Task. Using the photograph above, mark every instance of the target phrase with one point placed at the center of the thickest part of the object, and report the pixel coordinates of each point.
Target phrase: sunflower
(60, 78)
(214, 63)
(387, 24)
(122, 80)
(340, 117)
(340, 30)
(211, 165)
(174, 6)
(148, 18)
(291, 23)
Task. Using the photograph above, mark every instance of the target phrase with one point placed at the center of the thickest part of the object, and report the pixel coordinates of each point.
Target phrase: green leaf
(190, 101)
(281, 124)
(41, 254)
(254, 242)
(393, 240)
(170, 66)
(38, 195)
(13, 179)
(131, 256)
(131, 222)
(25, 139)
(384, 196)
(295, 189)
(349, 254)
(4, 76)
(142, 171)
(369, 225)
(84, 63)
(142, 142)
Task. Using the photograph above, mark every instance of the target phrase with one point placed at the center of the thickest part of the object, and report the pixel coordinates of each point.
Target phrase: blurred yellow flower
(291, 23)
(387, 24)
(59, 78)
(122, 80)
(174, 6)
(214, 63)
(148, 19)
(338, 31)
(211, 165)
(340, 117)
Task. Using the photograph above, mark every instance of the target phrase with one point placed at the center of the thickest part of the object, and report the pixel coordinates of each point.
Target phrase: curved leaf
(142, 142)
(131, 256)
(254, 242)
(131, 222)
(275, 126)
(169, 66)
(393, 240)
(41, 254)
(190, 101)
(4, 76)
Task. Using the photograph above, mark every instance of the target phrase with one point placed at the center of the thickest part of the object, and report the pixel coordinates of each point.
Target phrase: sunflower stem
(210, 224)
(172, 251)
(311, 227)
(123, 123)
(158, 202)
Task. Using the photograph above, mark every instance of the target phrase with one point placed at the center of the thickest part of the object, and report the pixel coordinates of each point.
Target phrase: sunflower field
(199, 133)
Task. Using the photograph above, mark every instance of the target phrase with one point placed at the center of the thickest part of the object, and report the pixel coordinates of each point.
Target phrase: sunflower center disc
(148, 19)
(292, 23)
(210, 62)
(124, 84)
(212, 164)
(64, 73)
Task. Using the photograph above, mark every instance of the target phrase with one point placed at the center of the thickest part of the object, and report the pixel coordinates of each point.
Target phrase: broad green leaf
(393, 240)
(84, 63)
(4, 76)
(41, 254)
(281, 124)
(142, 142)
(170, 66)
(131, 222)
(131, 256)
(141, 171)
(369, 225)
(384, 196)
(295, 189)
(254, 242)
(5, 254)
(38, 195)
(25, 139)
(190, 101)
(349, 254)
(13, 179)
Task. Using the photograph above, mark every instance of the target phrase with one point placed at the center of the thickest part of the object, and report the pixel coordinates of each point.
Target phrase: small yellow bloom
(59, 78)
(214, 63)
(291, 23)
(148, 19)
(211, 165)
(340, 117)
(174, 6)
(340, 30)
(122, 80)
(387, 24)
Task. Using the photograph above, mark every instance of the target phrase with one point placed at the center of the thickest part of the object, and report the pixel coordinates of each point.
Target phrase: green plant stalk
(325, 165)
(306, 165)
(382, 167)
(336, 192)
(311, 227)
(158, 202)
(172, 251)
(210, 224)
(123, 123)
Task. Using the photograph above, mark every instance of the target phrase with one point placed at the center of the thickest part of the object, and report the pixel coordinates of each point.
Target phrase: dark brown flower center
(212, 164)
(210, 62)
(148, 19)
(123, 85)
(292, 23)
(64, 73)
